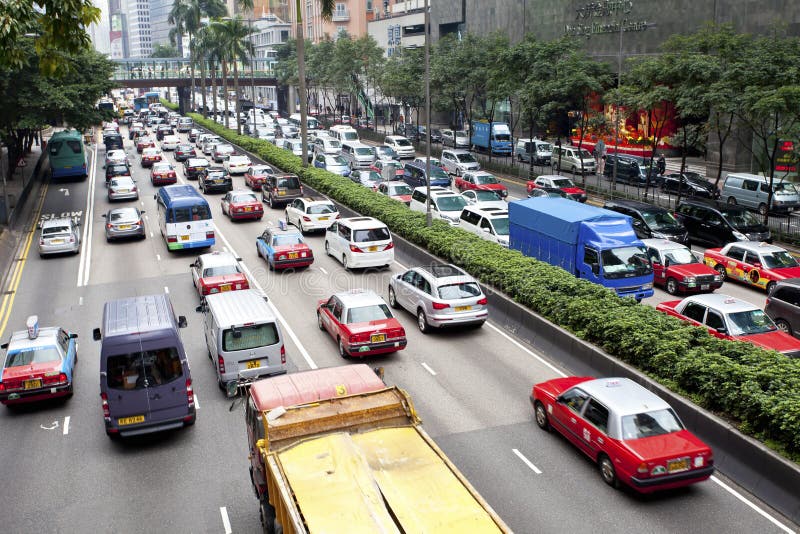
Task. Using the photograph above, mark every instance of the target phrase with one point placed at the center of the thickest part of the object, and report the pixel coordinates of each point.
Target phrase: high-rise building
(159, 27)
(140, 41)
(118, 30)
(99, 31)
(349, 16)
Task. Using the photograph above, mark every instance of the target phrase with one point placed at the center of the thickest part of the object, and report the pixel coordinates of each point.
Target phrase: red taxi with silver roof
(216, 272)
(753, 263)
(677, 269)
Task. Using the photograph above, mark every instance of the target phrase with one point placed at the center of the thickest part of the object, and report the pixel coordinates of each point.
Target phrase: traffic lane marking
(428, 368)
(752, 505)
(66, 425)
(527, 462)
(226, 522)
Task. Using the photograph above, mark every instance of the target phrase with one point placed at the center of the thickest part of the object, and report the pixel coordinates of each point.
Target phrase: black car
(690, 184)
(436, 135)
(194, 167)
(630, 169)
(650, 221)
(409, 131)
(716, 223)
(112, 141)
(164, 129)
(117, 169)
(215, 179)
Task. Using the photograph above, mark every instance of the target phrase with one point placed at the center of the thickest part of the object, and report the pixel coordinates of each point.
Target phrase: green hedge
(169, 105)
(756, 389)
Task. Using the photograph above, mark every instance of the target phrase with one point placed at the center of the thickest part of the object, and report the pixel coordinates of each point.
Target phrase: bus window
(188, 214)
(55, 147)
(75, 146)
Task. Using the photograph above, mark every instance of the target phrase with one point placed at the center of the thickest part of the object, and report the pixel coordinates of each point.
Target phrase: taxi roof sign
(32, 324)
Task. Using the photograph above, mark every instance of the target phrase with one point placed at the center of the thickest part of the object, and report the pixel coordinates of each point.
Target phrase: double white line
(84, 266)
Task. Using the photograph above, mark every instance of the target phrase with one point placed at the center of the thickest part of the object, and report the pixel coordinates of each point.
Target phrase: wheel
(783, 326)
(267, 515)
(270, 203)
(762, 209)
(770, 288)
(258, 250)
(263, 198)
(342, 352)
(671, 286)
(327, 249)
(422, 321)
(541, 416)
(392, 298)
(319, 322)
(344, 261)
(721, 270)
(732, 200)
(607, 471)
(574, 169)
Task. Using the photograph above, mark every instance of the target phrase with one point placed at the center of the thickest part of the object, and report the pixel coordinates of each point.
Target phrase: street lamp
(428, 216)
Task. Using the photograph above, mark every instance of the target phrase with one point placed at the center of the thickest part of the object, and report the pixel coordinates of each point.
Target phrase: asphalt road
(60, 473)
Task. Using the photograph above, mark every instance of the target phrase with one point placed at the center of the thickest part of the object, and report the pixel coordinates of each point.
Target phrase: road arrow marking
(51, 427)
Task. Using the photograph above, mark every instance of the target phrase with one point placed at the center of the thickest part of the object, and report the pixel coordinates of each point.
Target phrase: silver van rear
(752, 191)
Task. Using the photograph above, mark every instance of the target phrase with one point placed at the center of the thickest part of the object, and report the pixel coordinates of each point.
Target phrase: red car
(731, 318)
(150, 156)
(163, 173)
(396, 190)
(557, 182)
(361, 324)
(753, 263)
(677, 269)
(283, 248)
(216, 272)
(144, 142)
(634, 436)
(381, 163)
(480, 181)
(256, 175)
(242, 205)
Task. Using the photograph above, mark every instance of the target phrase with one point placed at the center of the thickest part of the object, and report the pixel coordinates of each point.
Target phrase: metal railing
(173, 68)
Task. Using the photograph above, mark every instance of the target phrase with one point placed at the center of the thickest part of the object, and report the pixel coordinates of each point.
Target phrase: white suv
(445, 204)
(360, 242)
(490, 223)
(401, 145)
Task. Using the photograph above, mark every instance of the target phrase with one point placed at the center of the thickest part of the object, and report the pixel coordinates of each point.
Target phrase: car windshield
(660, 220)
(286, 239)
(200, 212)
(486, 196)
(217, 173)
(784, 187)
(333, 143)
(461, 133)
(485, 179)
(245, 197)
(750, 322)
(563, 182)
(402, 142)
(319, 209)
(291, 182)
(451, 203)
(645, 425)
(438, 173)
(386, 151)
(335, 160)
(779, 259)
(123, 181)
(624, 262)
(500, 225)
(29, 356)
(740, 218)
(584, 154)
(239, 160)
(399, 190)
(364, 314)
(465, 158)
(394, 164)
(371, 234)
(221, 270)
(364, 151)
(162, 167)
(680, 256)
(461, 290)
(119, 169)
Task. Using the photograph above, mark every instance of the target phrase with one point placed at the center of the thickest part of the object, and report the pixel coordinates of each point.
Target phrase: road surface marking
(147, 217)
(196, 402)
(166, 290)
(84, 265)
(523, 347)
(527, 462)
(752, 505)
(80, 301)
(427, 368)
(66, 425)
(65, 191)
(223, 511)
(151, 233)
(323, 270)
(158, 257)
(51, 427)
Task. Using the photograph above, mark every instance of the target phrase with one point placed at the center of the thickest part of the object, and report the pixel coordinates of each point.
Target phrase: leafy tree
(455, 82)
(403, 80)
(232, 38)
(162, 50)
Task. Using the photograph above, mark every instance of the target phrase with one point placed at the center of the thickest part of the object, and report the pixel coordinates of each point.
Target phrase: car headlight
(699, 461)
(718, 278)
(647, 286)
(740, 236)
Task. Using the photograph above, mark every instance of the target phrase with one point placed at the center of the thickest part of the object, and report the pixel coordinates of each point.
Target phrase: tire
(422, 322)
(270, 203)
(342, 351)
(607, 471)
(762, 209)
(319, 322)
(344, 261)
(770, 287)
(392, 298)
(540, 414)
(783, 326)
(721, 270)
(327, 249)
(671, 286)
(732, 201)
(267, 516)
(263, 198)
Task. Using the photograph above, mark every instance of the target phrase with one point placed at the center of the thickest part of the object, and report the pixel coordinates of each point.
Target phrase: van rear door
(166, 383)
(127, 393)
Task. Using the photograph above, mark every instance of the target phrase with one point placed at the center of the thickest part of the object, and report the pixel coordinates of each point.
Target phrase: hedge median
(756, 389)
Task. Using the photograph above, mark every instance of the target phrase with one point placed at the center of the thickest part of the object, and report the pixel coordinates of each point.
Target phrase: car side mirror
(487, 230)
(722, 330)
(155, 197)
(182, 321)
(666, 262)
(104, 215)
(73, 335)
(96, 334)
(4, 346)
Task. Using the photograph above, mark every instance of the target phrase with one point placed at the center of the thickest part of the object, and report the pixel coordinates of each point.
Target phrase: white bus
(184, 218)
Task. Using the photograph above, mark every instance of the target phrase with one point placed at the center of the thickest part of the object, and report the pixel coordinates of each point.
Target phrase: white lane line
(147, 217)
(158, 257)
(278, 314)
(401, 265)
(514, 198)
(323, 270)
(151, 233)
(524, 348)
(223, 511)
(89, 226)
(80, 301)
(752, 505)
(427, 368)
(87, 222)
(527, 462)
(66, 425)
(196, 402)
(166, 290)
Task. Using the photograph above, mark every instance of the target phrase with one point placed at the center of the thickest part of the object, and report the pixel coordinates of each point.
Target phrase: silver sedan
(59, 236)
(122, 188)
(124, 222)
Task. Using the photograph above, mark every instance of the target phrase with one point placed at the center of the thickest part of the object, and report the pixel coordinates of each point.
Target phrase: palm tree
(235, 47)
(201, 50)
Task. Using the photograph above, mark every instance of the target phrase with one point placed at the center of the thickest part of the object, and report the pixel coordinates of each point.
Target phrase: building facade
(159, 27)
(99, 31)
(399, 25)
(268, 33)
(349, 16)
(137, 17)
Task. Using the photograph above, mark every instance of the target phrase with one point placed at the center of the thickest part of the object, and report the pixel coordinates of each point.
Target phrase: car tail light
(106, 411)
(3, 386)
(358, 338)
(301, 189)
(397, 332)
(41, 241)
(72, 239)
(306, 219)
(389, 246)
(190, 391)
(172, 239)
(60, 378)
(440, 305)
(172, 175)
(354, 248)
(283, 355)
(221, 364)
(209, 235)
(484, 301)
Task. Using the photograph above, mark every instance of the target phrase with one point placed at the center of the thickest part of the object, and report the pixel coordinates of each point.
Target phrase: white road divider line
(323, 270)
(196, 402)
(151, 233)
(166, 290)
(86, 242)
(427, 368)
(80, 301)
(66, 425)
(752, 505)
(158, 257)
(226, 523)
(524, 348)
(527, 462)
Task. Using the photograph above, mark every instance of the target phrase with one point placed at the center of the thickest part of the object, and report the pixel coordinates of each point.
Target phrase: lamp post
(252, 69)
(428, 217)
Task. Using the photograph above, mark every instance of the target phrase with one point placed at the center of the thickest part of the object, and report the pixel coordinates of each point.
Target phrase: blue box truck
(498, 140)
(589, 242)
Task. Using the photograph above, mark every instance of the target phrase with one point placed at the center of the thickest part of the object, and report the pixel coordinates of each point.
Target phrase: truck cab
(494, 137)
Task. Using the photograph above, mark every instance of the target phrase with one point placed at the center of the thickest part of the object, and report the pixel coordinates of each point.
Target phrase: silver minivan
(358, 155)
(243, 336)
(568, 157)
(533, 149)
(752, 191)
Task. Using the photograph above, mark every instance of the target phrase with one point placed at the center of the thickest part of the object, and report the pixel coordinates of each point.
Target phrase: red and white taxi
(144, 141)
(727, 317)
(241, 204)
(361, 323)
(756, 264)
(558, 182)
(634, 436)
(379, 164)
(163, 173)
(255, 176)
(396, 190)
(677, 269)
(150, 156)
(216, 272)
(480, 181)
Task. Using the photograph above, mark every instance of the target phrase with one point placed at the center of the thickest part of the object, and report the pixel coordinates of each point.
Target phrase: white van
(445, 203)
(360, 242)
(490, 223)
(358, 155)
(752, 191)
(242, 335)
(343, 133)
(537, 150)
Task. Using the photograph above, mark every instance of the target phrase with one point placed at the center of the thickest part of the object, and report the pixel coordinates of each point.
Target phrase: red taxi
(677, 269)
(634, 436)
(143, 142)
(480, 181)
(256, 175)
(557, 182)
(756, 264)
(216, 272)
(163, 173)
(150, 156)
(283, 248)
(241, 204)
(731, 318)
(361, 324)
(379, 164)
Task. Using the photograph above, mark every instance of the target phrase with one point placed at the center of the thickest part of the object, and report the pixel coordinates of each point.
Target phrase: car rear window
(645, 425)
(364, 314)
(371, 234)
(139, 370)
(31, 356)
(462, 290)
(221, 270)
(318, 209)
(249, 337)
(291, 182)
(61, 229)
(194, 213)
(286, 239)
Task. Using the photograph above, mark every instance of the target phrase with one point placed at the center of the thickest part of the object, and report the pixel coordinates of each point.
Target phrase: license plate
(463, 308)
(219, 181)
(254, 364)
(33, 384)
(377, 338)
(248, 208)
(122, 421)
(124, 226)
(281, 193)
(293, 255)
(705, 286)
(372, 249)
(67, 166)
(184, 238)
(324, 218)
(122, 191)
(676, 466)
(56, 241)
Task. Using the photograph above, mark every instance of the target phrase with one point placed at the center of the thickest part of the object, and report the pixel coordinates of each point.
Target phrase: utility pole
(616, 114)
(301, 73)
(428, 217)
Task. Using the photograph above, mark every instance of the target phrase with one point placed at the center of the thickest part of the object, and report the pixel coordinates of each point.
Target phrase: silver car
(458, 162)
(122, 188)
(124, 222)
(439, 295)
(59, 236)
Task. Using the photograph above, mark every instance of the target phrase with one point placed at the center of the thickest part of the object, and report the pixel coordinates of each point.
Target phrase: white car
(309, 213)
(434, 161)
(237, 164)
(401, 145)
(170, 142)
(114, 157)
(484, 199)
(293, 145)
(458, 162)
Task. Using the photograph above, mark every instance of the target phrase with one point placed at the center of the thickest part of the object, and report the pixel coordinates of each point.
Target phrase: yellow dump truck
(336, 450)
